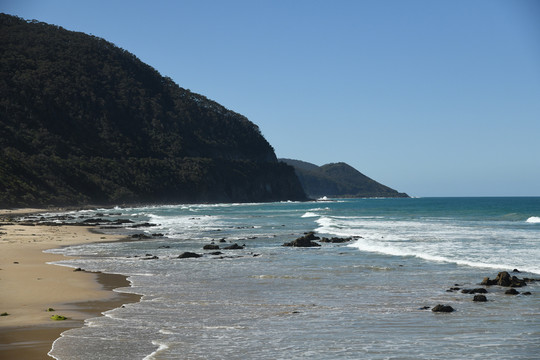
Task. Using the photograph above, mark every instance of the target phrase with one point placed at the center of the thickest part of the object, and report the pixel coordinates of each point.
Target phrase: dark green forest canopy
(83, 121)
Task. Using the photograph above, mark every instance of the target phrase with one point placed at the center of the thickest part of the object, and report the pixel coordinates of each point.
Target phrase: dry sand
(29, 286)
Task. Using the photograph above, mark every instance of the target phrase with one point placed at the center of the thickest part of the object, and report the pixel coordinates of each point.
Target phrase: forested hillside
(338, 180)
(83, 121)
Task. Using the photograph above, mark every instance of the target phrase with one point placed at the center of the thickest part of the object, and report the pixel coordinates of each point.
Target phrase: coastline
(30, 286)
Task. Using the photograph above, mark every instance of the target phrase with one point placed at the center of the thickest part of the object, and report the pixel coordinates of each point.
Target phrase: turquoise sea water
(357, 300)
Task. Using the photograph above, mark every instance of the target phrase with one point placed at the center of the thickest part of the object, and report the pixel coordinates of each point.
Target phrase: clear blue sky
(432, 98)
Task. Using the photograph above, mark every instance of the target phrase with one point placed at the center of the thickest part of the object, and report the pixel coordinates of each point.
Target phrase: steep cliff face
(338, 180)
(84, 121)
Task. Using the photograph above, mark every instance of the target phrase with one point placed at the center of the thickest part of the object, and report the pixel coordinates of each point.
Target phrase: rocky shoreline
(504, 282)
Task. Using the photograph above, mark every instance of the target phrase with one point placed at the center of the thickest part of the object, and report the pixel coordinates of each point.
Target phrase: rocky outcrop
(504, 279)
(304, 241)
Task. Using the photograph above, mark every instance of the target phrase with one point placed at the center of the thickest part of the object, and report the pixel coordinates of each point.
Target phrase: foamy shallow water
(342, 301)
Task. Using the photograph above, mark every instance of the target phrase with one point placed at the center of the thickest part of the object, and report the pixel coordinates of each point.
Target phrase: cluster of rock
(99, 220)
(213, 246)
(503, 279)
(336, 240)
(143, 236)
(305, 241)
(308, 240)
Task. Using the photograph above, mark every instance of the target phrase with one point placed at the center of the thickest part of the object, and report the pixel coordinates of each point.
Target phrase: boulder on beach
(211, 247)
(480, 298)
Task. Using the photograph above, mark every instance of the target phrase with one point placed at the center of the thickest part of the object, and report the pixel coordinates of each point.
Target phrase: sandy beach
(30, 286)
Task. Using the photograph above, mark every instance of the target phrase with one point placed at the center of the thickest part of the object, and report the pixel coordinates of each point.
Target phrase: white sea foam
(437, 240)
(161, 347)
(534, 220)
(309, 214)
(425, 254)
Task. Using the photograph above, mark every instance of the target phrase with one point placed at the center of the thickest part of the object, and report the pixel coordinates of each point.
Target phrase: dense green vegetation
(338, 180)
(83, 121)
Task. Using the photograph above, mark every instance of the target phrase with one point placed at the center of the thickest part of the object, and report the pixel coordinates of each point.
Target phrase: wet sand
(29, 286)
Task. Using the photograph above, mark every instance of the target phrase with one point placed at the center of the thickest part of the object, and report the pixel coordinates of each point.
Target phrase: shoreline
(30, 285)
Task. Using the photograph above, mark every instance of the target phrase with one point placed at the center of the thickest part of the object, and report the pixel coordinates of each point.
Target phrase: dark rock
(335, 240)
(504, 279)
(216, 253)
(164, 247)
(157, 235)
(222, 240)
(140, 236)
(211, 247)
(511, 291)
(442, 308)
(489, 282)
(424, 308)
(304, 241)
(516, 271)
(234, 247)
(78, 269)
(474, 291)
(516, 282)
(98, 220)
(480, 298)
(526, 293)
(150, 258)
(146, 224)
(311, 236)
(188, 254)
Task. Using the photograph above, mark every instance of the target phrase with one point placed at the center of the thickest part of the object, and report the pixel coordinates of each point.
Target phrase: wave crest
(534, 220)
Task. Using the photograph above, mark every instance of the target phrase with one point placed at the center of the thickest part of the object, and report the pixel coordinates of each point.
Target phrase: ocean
(368, 298)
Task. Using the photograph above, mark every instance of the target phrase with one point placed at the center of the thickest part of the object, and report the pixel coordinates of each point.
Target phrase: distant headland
(338, 180)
